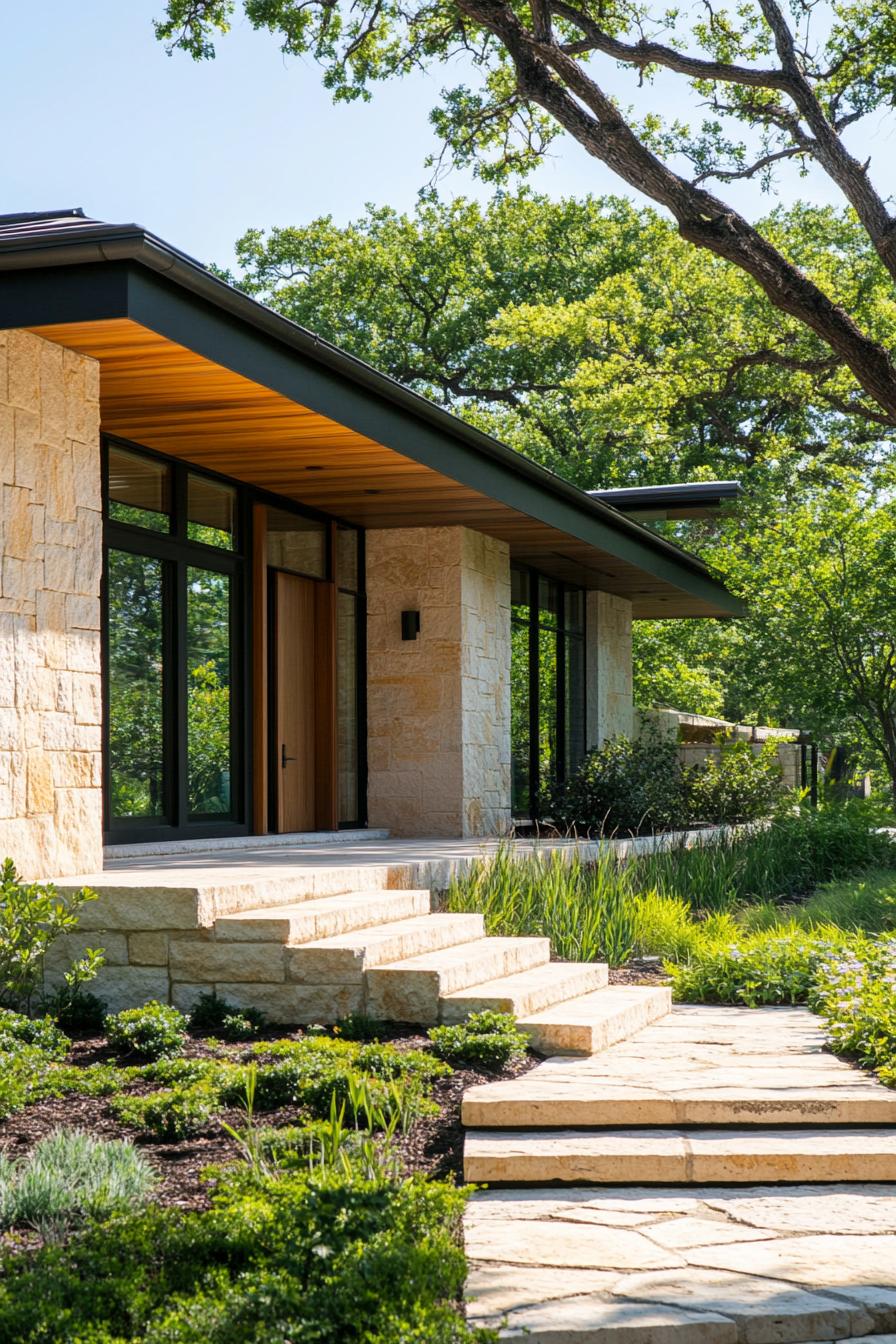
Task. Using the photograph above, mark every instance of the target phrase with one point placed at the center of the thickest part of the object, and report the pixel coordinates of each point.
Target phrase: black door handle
(284, 758)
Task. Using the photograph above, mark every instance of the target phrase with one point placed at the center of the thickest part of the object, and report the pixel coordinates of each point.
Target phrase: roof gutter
(132, 243)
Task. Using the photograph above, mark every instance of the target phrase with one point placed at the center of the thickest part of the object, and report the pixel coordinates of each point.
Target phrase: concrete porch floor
(419, 862)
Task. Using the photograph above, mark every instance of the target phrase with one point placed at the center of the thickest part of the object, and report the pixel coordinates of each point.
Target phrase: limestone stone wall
(608, 668)
(438, 707)
(50, 569)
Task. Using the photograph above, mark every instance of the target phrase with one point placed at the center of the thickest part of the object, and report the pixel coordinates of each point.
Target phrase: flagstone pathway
(661, 1223)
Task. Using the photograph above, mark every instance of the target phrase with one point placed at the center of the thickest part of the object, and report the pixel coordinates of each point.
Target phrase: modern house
(251, 586)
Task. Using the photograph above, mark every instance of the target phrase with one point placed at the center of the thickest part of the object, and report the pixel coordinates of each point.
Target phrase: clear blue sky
(97, 115)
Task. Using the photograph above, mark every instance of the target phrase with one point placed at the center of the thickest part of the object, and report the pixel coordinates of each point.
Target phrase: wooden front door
(304, 738)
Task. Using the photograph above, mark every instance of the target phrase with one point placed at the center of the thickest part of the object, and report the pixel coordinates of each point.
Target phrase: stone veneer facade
(609, 704)
(438, 707)
(51, 546)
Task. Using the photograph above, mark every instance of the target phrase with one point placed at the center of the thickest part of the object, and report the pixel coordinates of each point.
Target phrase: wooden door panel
(294, 764)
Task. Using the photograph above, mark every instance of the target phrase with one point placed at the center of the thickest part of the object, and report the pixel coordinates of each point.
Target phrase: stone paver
(696, 1066)
(660, 1157)
(721, 1266)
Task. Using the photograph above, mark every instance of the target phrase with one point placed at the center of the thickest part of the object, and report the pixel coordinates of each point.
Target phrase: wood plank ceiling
(168, 398)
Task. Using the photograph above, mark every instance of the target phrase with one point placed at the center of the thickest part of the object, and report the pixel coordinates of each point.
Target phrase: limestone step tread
(526, 991)
(665, 1157)
(344, 957)
(409, 990)
(321, 917)
(695, 1066)
(596, 1020)
(673, 1265)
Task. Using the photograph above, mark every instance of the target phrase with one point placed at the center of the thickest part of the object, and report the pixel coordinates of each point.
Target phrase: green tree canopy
(765, 82)
(587, 333)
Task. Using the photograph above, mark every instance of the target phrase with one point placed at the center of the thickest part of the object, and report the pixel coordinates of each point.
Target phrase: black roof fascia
(644, 498)
(109, 272)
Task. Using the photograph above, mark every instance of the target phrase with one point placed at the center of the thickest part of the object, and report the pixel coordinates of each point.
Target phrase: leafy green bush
(212, 1016)
(624, 787)
(153, 1031)
(41, 1032)
(778, 966)
(855, 991)
(485, 1040)
(33, 916)
(78, 1011)
(737, 786)
(171, 1114)
(70, 1177)
(316, 1257)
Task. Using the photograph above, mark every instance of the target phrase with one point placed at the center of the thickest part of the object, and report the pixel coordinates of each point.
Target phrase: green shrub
(624, 787)
(855, 991)
(212, 1016)
(153, 1031)
(485, 1040)
(316, 1257)
(360, 1027)
(737, 786)
(171, 1114)
(42, 1032)
(33, 916)
(70, 1177)
(78, 1011)
(778, 966)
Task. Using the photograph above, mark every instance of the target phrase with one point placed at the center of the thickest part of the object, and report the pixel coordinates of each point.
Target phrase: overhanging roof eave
(161, 292)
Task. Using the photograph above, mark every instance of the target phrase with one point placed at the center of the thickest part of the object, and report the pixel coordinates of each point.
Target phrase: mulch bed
(433, 1145)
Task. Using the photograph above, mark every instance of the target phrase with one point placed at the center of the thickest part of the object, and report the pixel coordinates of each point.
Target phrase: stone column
(438, 706)
(608, 668)
(50, 569)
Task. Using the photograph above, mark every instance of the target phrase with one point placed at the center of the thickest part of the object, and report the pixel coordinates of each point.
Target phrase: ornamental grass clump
(71, 1177)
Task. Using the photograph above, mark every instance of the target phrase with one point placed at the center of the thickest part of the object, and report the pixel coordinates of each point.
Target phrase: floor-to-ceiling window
(547, 685)
(174, 659)
(176, 633)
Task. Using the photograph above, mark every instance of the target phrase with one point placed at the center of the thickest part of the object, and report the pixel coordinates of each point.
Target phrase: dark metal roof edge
(131, 242)
(662, 496)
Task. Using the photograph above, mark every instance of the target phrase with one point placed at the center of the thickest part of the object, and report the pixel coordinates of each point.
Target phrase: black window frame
(564, 634)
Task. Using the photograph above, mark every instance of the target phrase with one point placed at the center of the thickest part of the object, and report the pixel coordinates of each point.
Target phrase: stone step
(686, 1157)
(344, 958)
(594, 1021)
(698, 1265)
(323, 917)
(410, 990)
(527, 991)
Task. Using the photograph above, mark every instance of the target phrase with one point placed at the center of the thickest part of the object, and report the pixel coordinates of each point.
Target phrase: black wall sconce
(410, 624)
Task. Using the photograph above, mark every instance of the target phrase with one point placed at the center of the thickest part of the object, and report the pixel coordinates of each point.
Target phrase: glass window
(547, 679)
(296, 543)
(136, 683)
(139, 491)
(548, 759)
(519, 592)
(347, 705)
(519, 719)
(574, 688)
(208, 692)
(211, 512)
(347, 557)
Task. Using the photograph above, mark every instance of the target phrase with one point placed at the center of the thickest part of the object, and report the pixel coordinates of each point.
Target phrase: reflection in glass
(139, 491)
(548, 762)
(208, 692)
(136, 643)
(347, 557)
(519, 592)
(519, 720)
(574, 708)
(347, 705)
(211, 512)
(548, 602)
(296, 543)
